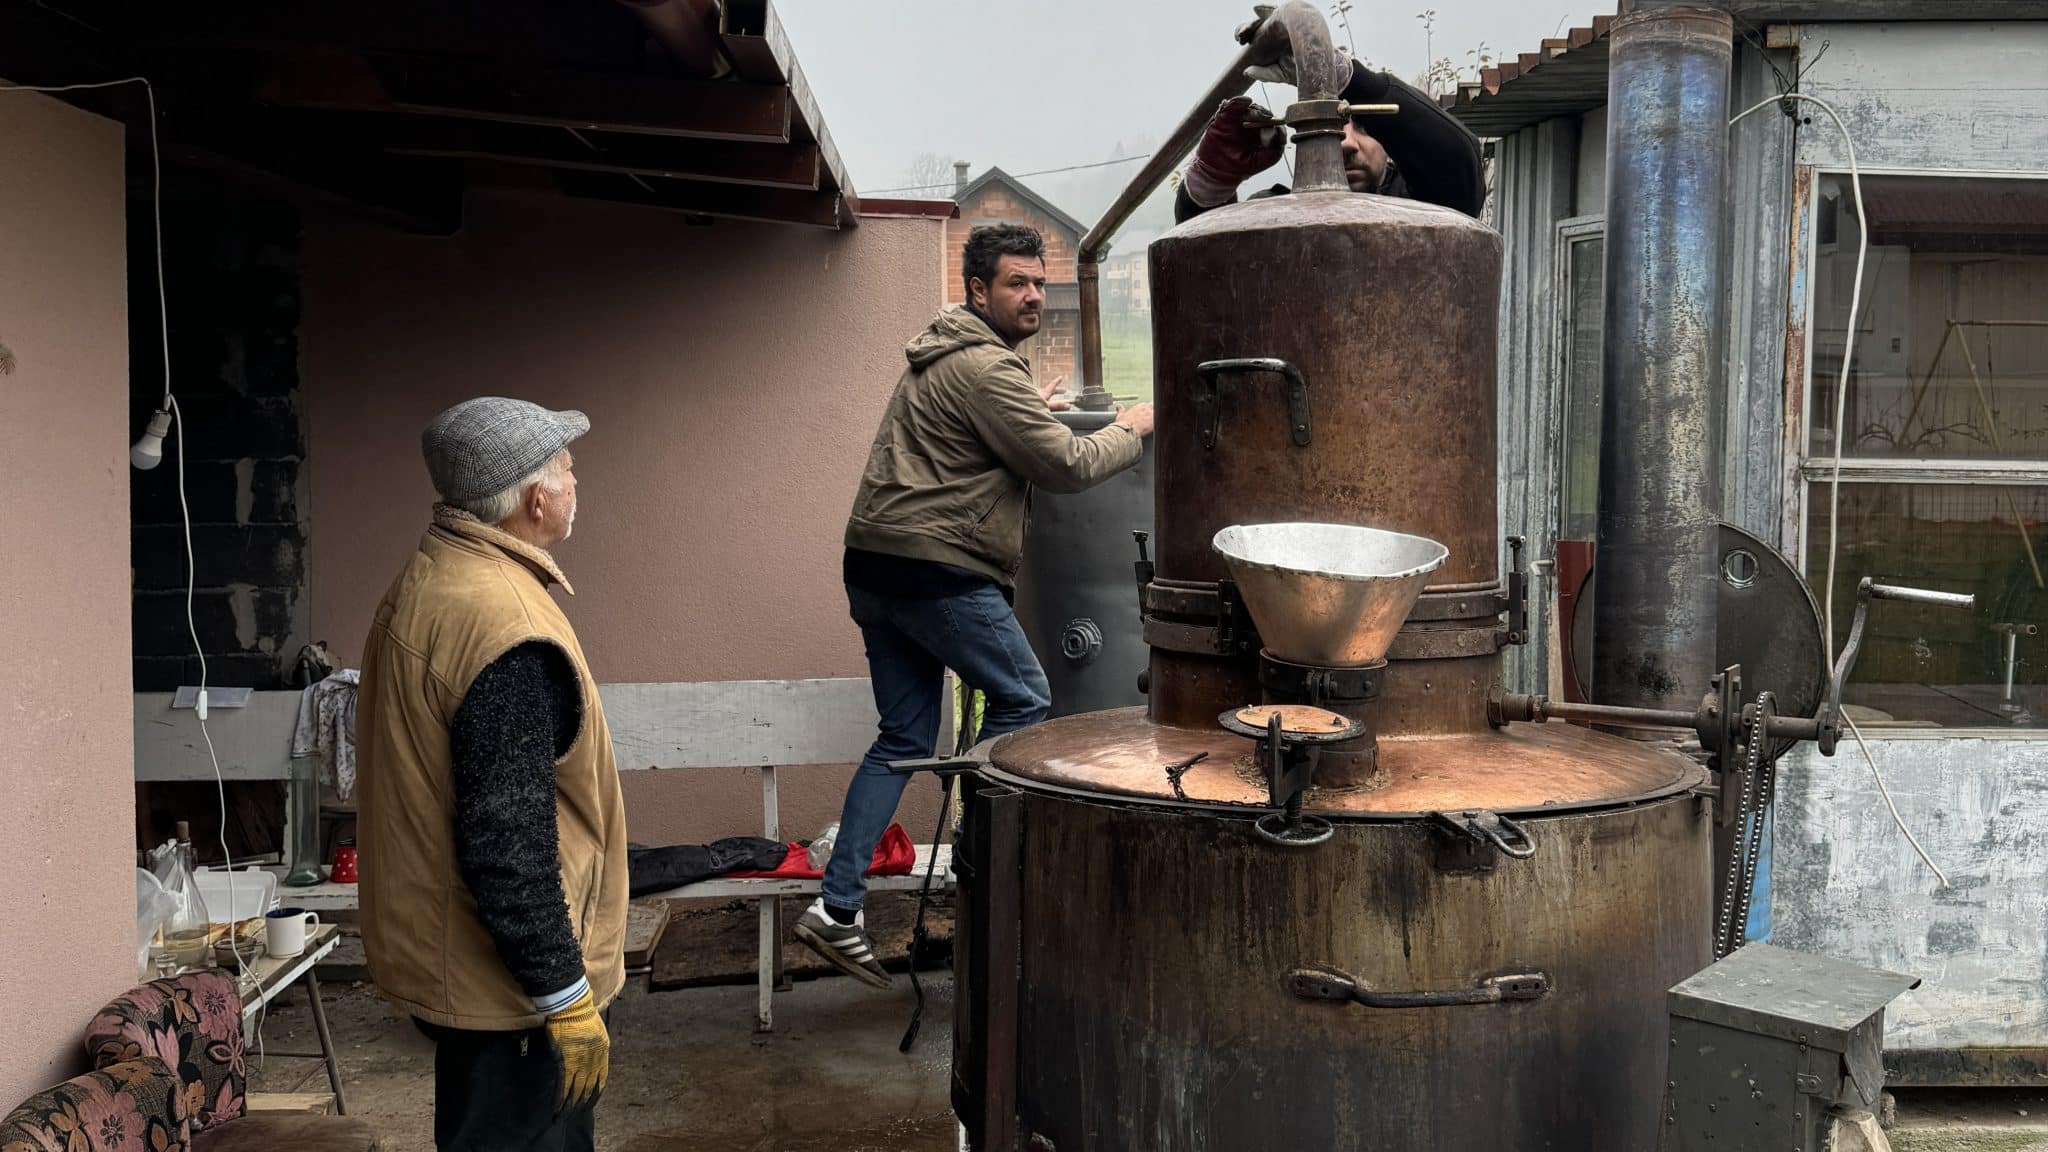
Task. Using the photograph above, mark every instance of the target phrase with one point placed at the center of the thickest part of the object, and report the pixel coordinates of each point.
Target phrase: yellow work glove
(583, 1053)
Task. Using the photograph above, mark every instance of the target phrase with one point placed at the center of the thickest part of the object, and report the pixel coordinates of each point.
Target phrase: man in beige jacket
(934, 542)
(493, 835)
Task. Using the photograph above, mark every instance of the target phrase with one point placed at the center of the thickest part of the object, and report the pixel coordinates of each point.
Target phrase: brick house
(996, 197)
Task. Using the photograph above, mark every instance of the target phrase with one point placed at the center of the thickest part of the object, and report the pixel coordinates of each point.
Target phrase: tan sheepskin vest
(470, 594)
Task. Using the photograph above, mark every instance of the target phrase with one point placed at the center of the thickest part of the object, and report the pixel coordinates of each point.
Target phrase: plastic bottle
(820, 849)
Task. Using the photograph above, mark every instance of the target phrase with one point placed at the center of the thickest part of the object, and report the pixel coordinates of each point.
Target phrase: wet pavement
(689, 1074)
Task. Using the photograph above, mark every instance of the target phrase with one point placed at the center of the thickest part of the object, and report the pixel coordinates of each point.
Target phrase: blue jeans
(910, 644)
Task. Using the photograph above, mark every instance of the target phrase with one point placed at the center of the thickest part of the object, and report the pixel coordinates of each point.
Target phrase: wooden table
(268, 976)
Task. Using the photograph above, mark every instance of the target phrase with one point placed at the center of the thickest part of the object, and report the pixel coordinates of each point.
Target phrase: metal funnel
(1327, 595)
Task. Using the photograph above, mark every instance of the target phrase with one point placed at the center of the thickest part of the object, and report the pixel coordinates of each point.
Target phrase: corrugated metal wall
(1533, 178)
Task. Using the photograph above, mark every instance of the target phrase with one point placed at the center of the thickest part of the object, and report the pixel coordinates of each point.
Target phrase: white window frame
(1565, 233)
(1808, 473)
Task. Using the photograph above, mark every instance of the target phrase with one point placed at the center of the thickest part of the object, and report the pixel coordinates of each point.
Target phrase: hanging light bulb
(148, 451)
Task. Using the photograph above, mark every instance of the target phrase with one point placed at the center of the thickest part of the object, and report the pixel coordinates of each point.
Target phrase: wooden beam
(760, 50)
(792, 165)
(203, 124)
(826, 208)
(344, 81)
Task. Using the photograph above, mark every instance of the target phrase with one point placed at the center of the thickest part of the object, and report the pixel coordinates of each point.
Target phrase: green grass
(1127, 360)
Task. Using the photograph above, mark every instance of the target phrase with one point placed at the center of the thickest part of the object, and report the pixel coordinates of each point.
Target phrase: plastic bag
(820, 850)
(153, 908)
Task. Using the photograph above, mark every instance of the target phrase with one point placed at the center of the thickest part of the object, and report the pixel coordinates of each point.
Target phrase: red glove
(1231, 152)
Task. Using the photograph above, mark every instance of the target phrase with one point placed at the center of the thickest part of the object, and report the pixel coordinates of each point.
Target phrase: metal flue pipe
(1661, 431)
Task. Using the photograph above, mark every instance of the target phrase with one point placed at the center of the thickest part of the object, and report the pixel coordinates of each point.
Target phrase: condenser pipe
(1661, 431)
(1095, 245)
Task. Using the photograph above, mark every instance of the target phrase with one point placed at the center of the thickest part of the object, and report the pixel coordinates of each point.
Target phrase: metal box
(1765, 1043)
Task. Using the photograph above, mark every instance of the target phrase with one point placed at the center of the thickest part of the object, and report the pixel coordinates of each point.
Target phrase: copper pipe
(1317, 163)
(686, 30)
(1094, 246)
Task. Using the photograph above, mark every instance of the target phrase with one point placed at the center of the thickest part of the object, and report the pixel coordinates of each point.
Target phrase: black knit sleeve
(517, 719)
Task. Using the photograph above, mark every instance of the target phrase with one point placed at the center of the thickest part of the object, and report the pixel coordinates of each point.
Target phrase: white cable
(1841, 417)
(1894, 808)
(163, 310)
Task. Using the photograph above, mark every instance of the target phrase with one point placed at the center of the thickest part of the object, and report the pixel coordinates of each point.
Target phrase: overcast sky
(1049, 83)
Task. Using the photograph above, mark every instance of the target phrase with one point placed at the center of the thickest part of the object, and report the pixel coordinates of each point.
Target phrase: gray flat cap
(481, 447)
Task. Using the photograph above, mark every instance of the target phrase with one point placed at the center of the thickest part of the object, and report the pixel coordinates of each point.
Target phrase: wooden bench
(764, 724)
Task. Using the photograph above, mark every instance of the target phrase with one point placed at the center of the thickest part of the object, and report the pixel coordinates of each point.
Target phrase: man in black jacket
(1419, 152)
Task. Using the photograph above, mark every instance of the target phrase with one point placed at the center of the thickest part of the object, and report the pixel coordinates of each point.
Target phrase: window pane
(1580, 516)
(1937, 666)
(1951, 357)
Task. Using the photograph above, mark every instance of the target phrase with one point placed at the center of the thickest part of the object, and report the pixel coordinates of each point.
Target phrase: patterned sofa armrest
(193, 1024)
(131, 1106)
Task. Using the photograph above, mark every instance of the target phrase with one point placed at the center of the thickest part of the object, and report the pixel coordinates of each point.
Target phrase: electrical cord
(1783, 101)
(170, 404)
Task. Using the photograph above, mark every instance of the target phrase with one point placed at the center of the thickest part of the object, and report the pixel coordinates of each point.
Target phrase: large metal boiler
(1074, 595)
(1441, 934)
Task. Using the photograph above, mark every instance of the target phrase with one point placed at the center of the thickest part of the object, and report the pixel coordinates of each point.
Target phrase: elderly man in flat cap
(492, 832)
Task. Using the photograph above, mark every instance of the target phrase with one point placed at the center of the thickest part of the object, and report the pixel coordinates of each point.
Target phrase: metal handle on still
(1206, 402)
(1333, 985)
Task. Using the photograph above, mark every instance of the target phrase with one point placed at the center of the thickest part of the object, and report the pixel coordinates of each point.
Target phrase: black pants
(495, 1092)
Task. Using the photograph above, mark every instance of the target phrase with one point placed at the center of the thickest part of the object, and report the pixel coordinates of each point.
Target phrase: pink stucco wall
(733, 375)
(67, 861)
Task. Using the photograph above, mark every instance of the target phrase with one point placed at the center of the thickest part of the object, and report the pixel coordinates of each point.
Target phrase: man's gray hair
(502, 506)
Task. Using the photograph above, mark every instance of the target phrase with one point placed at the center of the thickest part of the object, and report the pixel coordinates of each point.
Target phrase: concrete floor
(689, 1074)
(1979, 1120)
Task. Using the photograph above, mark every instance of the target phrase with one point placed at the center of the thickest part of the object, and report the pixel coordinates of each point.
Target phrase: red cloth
(894, 856)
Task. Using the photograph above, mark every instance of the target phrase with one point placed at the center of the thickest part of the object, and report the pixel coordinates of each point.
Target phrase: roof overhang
(397, 106)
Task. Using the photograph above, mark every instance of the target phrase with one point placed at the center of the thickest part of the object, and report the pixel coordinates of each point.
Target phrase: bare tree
(929, 173)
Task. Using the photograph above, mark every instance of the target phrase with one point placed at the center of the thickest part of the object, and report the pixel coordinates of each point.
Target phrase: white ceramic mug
(286, 929)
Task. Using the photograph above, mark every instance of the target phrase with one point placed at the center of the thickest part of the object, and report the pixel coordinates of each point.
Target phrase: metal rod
(1616, 714)
(1095, 245)
(1927, 596)
(2012, 655)
(1662, 436)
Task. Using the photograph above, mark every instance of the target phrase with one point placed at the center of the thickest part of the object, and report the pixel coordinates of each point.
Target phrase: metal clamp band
(1446, 643)
(1485, 604)
(1289, 681)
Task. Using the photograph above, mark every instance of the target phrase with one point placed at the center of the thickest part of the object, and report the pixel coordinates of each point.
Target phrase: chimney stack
(959, 178)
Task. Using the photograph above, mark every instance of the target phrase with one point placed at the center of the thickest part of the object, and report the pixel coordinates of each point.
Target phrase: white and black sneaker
(845, 946)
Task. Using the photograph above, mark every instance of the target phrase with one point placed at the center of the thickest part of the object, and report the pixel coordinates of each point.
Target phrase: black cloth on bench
(660, 869)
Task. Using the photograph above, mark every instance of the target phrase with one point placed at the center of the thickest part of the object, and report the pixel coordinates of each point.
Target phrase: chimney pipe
(1661, 435)
(959, 178)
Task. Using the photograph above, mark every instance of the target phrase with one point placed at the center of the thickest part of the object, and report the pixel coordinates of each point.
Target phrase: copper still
(1199, 925)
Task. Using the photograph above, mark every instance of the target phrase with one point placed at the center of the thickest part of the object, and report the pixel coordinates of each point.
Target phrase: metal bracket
(1144, 568)
(1518, 593)
(1333, 985)
(1484, 827)
(1234, 631)
(1206, 406)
